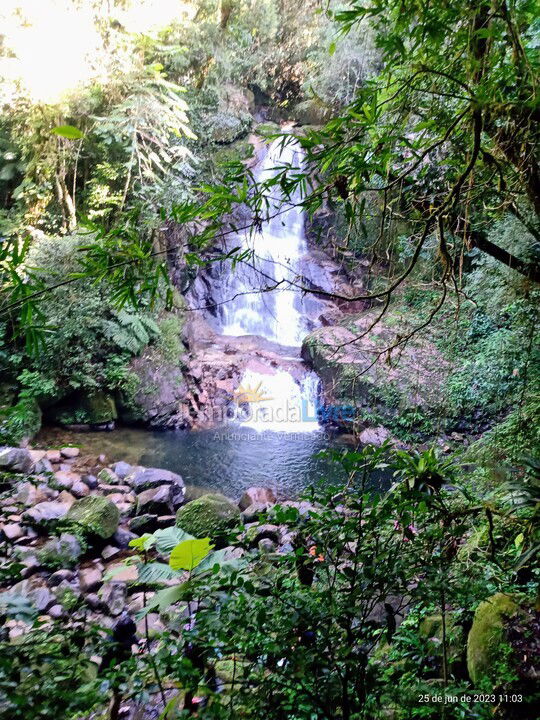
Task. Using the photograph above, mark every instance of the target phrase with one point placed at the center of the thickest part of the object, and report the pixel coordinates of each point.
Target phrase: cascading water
(276, 250)
(276, 401)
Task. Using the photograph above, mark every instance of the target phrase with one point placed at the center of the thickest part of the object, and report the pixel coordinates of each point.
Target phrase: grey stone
(122, 469)
(60, 576)
(46, 512)
(257, 495)
(56, 612)
(113, 596)
(143, 523)
(16, 460)
(65, 479)
(251, 513)
(80, 489)
(108, 477)
(70, 452)
(144, 478)
(90, 578)
(155, 500)
(12, 531)
(123, 537)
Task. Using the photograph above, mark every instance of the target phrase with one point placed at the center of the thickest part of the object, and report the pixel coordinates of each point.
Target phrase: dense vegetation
(419, 124)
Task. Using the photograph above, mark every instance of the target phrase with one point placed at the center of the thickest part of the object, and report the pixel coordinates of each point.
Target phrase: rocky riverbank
(66, 521)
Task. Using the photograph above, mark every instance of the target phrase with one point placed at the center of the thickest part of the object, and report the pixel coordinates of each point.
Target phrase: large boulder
(144, 478)
(208, 516)
(16, 460)
(487, 646)
(96, 515)
(224, 127)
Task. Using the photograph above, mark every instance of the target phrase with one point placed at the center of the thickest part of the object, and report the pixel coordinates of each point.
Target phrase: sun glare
(51, 47)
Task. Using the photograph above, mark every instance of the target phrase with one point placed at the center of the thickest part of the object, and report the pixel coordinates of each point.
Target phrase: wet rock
(91, 481)
(90, 579)
(70, 452)
(46, 512)
(96, 514)
(260, 495)
(156, 500)
(93, 601)
(209, 516)
(144, 478)
(16, 460)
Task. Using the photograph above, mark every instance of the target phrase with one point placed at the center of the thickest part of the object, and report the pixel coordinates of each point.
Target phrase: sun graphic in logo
(250, 394)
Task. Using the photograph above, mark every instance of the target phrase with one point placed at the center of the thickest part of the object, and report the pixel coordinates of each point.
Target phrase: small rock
(108, 477)
(123, 573)
(65, 479)
(107, 489)
(37, 455)
(266, 545)
(70, 452)
(91, 481)
(28, 494)
(251, 513)
(109, 551)
(66, 497)
(123, 537)
(374, 436)
(122, 469)
(54, 456)
(56, 612)
(96, 514)
(94, 601)
(90, 578)
(43, 467)
(256, 533)
(60, 576)
(12, 531)
(257, 495)
(113, 596)
(143, 523)
(80, 489)
(144, 478)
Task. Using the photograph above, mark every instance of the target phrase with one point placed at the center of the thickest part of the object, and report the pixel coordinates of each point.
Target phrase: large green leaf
(155, 572)
(68, 131)
(168, 538)
(188, 554)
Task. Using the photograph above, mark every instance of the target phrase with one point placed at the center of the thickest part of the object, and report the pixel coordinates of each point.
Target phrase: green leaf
(145, 542)
(518, 540)
(188, 554)
(169, 538)
(68, 131)
(332, 48)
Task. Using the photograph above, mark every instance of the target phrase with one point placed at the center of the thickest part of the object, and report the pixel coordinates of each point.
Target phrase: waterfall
(277, 249)
(275, 401)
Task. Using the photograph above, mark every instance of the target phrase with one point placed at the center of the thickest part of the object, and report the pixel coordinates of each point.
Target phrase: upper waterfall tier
(277, 247)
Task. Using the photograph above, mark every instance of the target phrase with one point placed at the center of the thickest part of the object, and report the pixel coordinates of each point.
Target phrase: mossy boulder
(208, 516)
(236, 152)
(488, 652)
(431, 628)
(232, 669)
(311, 112)
(100, 408)
(96, 515)
(224, 127)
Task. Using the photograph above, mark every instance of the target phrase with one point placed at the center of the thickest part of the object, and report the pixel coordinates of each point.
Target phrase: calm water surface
(227, 460)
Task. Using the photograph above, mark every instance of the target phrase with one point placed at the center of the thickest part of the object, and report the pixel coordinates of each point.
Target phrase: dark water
(227, 459)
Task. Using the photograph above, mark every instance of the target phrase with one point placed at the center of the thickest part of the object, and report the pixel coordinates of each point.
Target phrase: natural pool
(226, 459)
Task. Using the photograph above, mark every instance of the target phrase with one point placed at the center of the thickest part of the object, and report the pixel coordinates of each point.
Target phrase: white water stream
(276, 401)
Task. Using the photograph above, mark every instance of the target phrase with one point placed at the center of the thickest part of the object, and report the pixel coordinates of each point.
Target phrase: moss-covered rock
(431, 628)
(236, 152)
(311, 112)
(100, 408)
(223, 127)
(231, 669)
(267, 129)
(208, 516)
(488, 652)
(96, 515)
